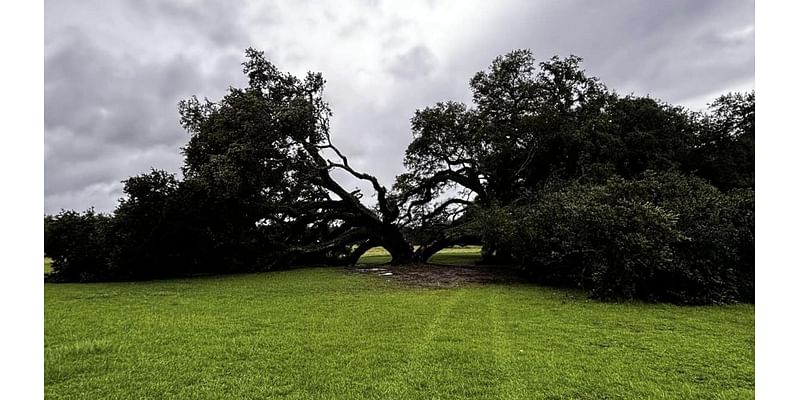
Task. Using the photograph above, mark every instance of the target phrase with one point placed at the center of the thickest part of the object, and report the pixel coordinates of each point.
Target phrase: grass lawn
(325, 334)
(465, 255)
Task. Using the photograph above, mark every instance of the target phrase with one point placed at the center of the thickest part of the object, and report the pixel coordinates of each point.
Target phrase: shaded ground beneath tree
(438, 275)
(449, 267)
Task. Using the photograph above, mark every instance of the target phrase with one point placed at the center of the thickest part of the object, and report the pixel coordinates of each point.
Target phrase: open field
(324, 333)
(464, 255)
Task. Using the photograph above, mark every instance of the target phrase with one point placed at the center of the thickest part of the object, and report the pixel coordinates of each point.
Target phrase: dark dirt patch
(435, 275)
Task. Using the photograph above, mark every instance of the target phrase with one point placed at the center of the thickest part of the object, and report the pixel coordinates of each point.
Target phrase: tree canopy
(537, 124)
(539, 139)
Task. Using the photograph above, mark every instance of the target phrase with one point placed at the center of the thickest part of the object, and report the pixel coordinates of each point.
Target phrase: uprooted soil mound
(434, 275)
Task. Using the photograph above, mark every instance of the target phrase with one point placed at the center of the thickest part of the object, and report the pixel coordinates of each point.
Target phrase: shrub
(163, 228)
(78, 245)
(144, 239)
(663, 237)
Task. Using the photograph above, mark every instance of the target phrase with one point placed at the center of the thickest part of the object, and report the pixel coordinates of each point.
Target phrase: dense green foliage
(724, 151)
(664, 237)
(162, 228)
(323, 333)
(77, 245)
(548, 169)
(533, 123)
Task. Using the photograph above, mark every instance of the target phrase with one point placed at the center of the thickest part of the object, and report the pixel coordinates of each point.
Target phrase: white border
(22, 199)
(777, 152)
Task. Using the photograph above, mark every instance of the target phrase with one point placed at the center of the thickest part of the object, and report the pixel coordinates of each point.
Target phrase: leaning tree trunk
(396, 244)
(353, 258)
(426, 251)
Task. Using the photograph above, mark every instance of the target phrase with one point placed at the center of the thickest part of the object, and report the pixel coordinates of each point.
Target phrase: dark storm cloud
(110, 113)
(215, 21)
(113, 98)
(668, 49)
(114, 71)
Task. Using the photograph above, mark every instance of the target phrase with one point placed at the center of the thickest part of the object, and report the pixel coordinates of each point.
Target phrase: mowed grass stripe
(322, 333)
(506, 357)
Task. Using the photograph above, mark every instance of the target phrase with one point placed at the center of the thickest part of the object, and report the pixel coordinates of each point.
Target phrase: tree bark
(425, 252)
(360, 250)
(396, 244)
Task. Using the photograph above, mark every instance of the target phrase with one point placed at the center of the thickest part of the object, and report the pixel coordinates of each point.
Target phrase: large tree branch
(348, 237)
(329, 183)
(424, 191)
(442, 207)
(388, 210)
(427, 250)
(360, 250)
(465, 177)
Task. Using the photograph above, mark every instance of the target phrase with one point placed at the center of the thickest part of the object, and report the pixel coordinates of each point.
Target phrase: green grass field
(466, 255)
(326, 334)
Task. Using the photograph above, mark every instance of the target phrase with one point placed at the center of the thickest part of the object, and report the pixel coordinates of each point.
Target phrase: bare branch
(351, 236)
(465, 177)
(388, 211)
(442, 207)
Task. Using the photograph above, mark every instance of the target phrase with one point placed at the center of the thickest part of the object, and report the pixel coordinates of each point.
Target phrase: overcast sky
(115, 70)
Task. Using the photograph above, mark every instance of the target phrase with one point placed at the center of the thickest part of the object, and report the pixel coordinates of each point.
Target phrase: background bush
(663, 237)
(78, 244)
(163, 228)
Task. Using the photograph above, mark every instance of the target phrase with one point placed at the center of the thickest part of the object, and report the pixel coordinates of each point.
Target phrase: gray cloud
(667, 49)
(114, 71)
(351, 28)
(111, 110)
(108, 115)
(214, 21)
(417, 62)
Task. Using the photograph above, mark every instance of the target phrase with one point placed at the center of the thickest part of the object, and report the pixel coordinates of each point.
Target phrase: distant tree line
(548, 170)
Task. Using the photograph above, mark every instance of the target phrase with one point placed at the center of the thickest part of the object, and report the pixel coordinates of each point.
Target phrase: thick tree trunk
(425, 252)
(360, 250)
(396, 244)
